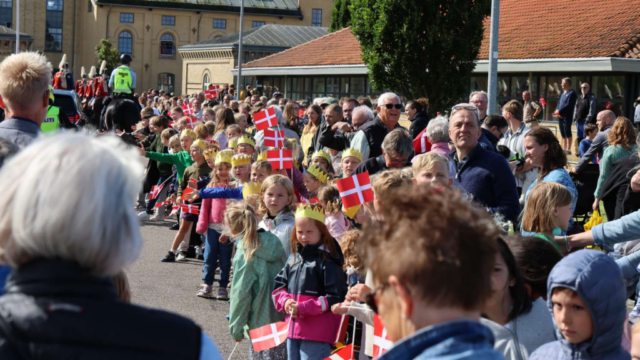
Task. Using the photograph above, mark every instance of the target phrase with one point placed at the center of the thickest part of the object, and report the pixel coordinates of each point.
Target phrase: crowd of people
(473, 246)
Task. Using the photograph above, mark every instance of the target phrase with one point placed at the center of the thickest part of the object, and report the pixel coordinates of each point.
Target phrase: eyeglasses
(463, 106)
(370, 299)
(397, 161)
(391, 106)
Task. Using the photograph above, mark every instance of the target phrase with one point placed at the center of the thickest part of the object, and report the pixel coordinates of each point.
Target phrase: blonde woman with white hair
(66, 235)
(24, 94)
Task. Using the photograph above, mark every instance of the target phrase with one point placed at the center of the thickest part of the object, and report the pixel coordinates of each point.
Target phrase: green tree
(421, 48)
(105, 51)
(340, 15)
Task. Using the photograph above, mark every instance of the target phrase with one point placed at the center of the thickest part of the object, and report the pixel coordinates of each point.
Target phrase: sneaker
(200, 257)
(175, 227)
(143, 215)
(205, 292)
(181, 257)
(158, 217)
(223, 294)
(170, 257)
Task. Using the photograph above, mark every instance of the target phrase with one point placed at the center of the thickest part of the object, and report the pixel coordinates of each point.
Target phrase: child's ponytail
(241, 220)
(329, 196)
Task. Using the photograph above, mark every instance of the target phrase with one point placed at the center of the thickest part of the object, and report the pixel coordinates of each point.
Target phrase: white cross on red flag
(163, 203)
(273, 138)
(190, 209)
(211, 93)
(421, 143)
(346, 353)
(265, 119)
(381, 341)
(355, 190)
(186, 192)
(280, 159)
(174, 210)
(191, 121)
(542, 102)
(155, 191)
(187, 109)
(269, 336)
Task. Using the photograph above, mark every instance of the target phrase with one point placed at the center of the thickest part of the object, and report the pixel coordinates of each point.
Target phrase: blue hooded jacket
(597, 279)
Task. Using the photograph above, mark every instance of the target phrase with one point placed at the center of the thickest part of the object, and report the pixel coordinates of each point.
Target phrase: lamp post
(17, 26)
(493, 57)
(240, 51)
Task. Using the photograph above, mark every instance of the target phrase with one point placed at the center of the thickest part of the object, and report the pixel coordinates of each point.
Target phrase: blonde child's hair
(175, 141)
(210, 112)
(428, 161)
(211, 126)
(330, 197)
(201, 131)
(183, 121)
(239, 116)
(166, 134)
(190, 133)
(261, 164)
(234, 127)
(389, 180)
(214, 176)
(283, 181)
(542, 201)
(241, 221)
(352, 251)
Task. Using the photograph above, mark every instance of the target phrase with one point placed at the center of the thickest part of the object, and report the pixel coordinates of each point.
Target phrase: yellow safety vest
(52, 121)
(123, 81)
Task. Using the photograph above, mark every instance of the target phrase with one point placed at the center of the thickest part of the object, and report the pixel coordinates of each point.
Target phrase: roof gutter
(204, 9)
(357, 69)
(605, 64)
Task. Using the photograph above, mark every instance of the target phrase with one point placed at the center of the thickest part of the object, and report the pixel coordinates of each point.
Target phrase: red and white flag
(186, 192)
(273, 138)
(190, 209)
(212, 93)
(163, 203)
(542, 102)
(187, 109)
(341, 335)
(191, 121)
(174, 210)
(421, 143)
(381, 341)
(346, 353)
(265, 119)
(280, 159)
(355, 190)
(269, 336)
(155, 191)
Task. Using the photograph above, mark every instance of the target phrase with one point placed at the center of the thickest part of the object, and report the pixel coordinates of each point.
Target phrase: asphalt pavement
(173, 287)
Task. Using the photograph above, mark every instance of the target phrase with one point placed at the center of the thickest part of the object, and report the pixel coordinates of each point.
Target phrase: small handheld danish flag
(187, 109)
(355, 190)
(273, 138)
(265, 119)
(542, 102)
(269, 336)
(174, 210)
(186, 192)
(280, 159)
(346, 353)
(212, 93)
(421, 143)
(381, 341)
(191, 121)
(163, 203)
(155, 191)
(190, 209)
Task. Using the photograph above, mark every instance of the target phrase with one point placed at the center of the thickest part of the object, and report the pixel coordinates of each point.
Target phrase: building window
(316, 17)
(6, 13)
(126, 18)
(219, 23)
(166, 82)
(125, 43)
(53, 36)
(206, 82)
(167, 45)
(90, 6)
(169, 20)
(257, 24)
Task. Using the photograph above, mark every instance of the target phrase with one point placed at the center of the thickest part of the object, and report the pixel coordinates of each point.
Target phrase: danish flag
(186, 192)
(381, 341)
(355, 190)
(212, 93)
(174, 210)
(265, 119)
(273, 138)
(280, 159)
(346, 353)
(191, 120)
(542, 102)
(421, 143)
(341, 335)
(155, 191)
(190, 209)
(163, 203)
(269, 336)
(187, 109)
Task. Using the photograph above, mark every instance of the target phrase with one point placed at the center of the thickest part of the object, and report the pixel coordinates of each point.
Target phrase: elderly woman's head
(397, 148)
(543, 150)
(431, 259)
(70, 197)
(438, 130)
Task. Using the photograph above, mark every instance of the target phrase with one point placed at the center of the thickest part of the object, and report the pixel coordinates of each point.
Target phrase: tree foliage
(340, 15)
(421, 47)
(105, 51)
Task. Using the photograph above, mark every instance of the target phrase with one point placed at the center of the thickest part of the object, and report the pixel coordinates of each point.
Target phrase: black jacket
(54, 309)
(419, 123)
(375, 131)
(372, 165)
(617, 198)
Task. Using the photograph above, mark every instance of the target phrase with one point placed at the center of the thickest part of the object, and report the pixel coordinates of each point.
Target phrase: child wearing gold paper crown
(246, 145)
(311, 282)
(241, 168)
(322, 159)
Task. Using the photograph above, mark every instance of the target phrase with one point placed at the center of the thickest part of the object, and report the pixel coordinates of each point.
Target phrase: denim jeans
(214, 251)
(307, 350)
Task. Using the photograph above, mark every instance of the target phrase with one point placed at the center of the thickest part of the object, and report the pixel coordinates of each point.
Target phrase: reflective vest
(52, 121)
(123, 81)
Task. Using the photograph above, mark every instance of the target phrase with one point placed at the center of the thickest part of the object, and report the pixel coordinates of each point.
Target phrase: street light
(240, 51)
(493, 57)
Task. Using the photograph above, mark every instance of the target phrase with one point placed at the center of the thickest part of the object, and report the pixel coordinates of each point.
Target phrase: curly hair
(353, 250)
(622, 133)
(438, 245)
(554, 157)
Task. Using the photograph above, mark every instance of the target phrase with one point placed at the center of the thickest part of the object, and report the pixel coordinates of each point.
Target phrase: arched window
(125, 43)
(205, 82)
(167, 46)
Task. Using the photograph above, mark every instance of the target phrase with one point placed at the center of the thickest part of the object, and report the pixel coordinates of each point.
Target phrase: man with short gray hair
(397, 150)
(339, 135)
(480, 100)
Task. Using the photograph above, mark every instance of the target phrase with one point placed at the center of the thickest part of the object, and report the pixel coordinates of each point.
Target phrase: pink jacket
(211, 212)
(337, 224)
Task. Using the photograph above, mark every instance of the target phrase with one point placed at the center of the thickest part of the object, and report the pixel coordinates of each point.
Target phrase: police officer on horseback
(123, 79)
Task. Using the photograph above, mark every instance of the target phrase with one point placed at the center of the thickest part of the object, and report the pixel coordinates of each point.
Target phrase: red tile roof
(531, 29)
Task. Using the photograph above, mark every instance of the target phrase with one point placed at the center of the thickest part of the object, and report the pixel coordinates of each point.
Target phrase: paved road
(173, 287)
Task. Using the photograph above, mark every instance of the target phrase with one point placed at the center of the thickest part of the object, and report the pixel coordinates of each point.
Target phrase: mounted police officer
(123, 79)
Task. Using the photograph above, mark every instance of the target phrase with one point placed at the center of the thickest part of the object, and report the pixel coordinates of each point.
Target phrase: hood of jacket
(269, 251)
(319, 250)
(598, 280)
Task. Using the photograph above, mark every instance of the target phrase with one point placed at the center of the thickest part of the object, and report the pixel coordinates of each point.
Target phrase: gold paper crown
(310, 211)
(199, 143)
(352, 152)
(318, 173)
(244, 139)
(240, 159)
(233, 143)
(209, 153)
(323, 154)
(263, 156)
(251, 188)
(224, 157)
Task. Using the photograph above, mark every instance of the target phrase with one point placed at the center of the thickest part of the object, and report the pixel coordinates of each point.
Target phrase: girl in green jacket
(181, 159)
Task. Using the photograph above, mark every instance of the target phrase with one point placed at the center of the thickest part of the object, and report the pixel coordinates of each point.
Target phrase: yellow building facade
(152, 31)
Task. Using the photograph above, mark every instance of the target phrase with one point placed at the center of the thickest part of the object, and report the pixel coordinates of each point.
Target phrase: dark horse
(120, 115)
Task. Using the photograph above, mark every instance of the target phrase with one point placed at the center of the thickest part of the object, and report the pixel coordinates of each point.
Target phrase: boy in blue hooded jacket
(587, 298)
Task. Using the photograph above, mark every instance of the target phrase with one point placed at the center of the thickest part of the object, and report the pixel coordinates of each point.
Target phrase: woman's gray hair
(70, 197)
(364, 110)
(398, 142)
(388, 95)
(438, 130)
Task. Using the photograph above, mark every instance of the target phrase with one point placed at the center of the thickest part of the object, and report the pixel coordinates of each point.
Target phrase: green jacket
(158, 147)
(181, 160)
(252, 285)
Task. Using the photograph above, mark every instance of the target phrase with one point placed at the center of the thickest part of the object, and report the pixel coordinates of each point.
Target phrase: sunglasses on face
(391, 106)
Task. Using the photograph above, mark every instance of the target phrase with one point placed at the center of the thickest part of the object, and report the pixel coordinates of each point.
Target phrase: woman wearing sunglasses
(429, 293)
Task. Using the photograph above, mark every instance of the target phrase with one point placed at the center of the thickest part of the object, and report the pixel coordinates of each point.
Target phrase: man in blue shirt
(564, 113)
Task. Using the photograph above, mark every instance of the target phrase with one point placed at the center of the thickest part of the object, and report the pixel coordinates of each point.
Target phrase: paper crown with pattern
(240, 159)
(251, 188)
(244, 139)
(209, 153)
(224, 157)
(353, 153)
(233, 143)
(311, 211)
(323, 154)
(262, 156)
(317, 171)
(199, 143)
